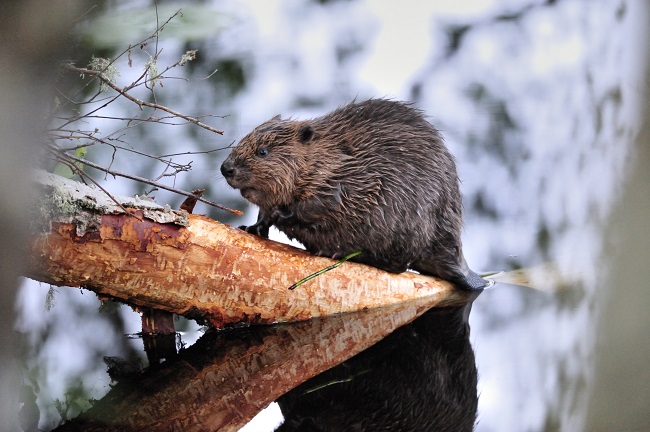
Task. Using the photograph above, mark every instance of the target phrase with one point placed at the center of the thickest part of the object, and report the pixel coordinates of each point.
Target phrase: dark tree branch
(141, 103)
(140, 180)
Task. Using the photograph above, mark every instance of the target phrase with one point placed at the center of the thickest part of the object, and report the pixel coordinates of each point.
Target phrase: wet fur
(373, 176)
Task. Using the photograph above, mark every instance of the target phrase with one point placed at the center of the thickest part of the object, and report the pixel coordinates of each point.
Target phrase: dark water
(539, 101)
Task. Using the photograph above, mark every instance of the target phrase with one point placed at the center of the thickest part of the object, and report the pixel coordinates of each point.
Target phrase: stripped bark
(148, 255)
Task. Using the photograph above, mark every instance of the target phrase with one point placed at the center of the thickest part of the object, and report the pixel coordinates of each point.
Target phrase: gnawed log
(148, 255)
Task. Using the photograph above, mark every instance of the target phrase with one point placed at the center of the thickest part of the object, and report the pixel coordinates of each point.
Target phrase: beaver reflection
(422, 377)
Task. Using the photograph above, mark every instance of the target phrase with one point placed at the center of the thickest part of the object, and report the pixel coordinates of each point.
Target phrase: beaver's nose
(228, 168)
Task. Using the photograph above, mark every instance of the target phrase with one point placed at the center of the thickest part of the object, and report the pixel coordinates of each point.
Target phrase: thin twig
(323, 270)
(94, 137)
(192, 153)
(81, 173)
(140, 102)
(142, 43)
(150, 182)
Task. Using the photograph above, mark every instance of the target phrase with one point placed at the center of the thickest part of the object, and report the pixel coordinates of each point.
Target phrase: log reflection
(421, 377)
(227, 377)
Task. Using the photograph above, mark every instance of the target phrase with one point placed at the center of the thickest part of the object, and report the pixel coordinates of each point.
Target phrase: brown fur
(373, 176)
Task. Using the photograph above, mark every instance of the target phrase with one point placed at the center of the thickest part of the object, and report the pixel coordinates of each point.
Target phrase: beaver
(372, 176)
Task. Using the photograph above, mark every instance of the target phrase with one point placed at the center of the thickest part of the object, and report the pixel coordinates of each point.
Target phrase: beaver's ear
(276, 118)
(305, 134)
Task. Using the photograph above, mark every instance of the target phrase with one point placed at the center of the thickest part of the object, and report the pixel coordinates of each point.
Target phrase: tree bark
(148, 255)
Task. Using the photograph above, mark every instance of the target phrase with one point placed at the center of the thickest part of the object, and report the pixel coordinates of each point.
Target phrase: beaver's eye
(263, 152)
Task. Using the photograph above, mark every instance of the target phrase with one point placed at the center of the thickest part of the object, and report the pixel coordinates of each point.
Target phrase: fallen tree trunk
(147, 255)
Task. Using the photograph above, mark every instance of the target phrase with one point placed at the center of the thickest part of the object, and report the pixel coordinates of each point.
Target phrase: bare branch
(140, 102)
(84, 176)
(149, 182)
(197, 152)
(127, 51)
(103, 71)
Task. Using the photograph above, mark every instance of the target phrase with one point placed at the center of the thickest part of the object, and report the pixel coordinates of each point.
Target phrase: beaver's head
(271, 165)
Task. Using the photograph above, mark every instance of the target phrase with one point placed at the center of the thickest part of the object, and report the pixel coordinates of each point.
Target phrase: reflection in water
(226, 377)
(421, 377)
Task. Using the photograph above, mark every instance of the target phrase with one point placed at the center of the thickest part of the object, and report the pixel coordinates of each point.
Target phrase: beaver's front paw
(259, 229)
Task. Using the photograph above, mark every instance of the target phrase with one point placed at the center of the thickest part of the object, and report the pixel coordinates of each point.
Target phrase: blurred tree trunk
(149, 256)
(32, 35)
(620, 396)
